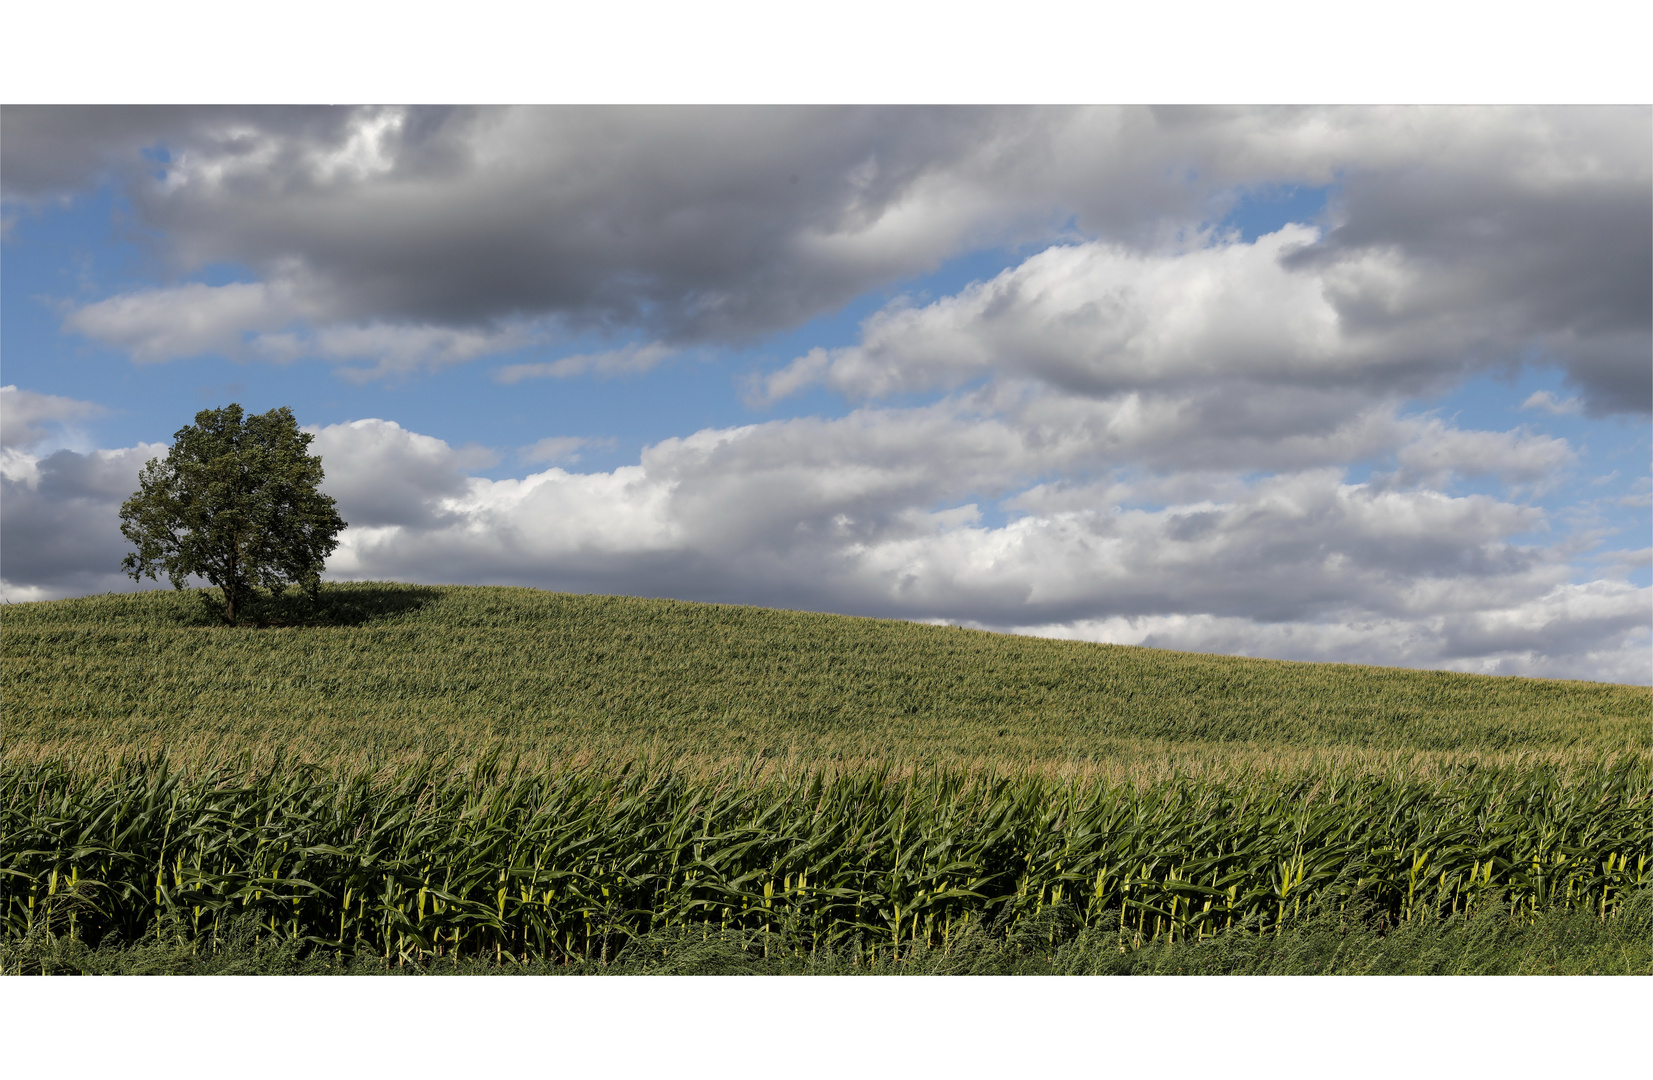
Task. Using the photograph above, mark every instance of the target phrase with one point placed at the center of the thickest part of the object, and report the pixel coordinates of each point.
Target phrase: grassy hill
(841, 792)
(393, 673)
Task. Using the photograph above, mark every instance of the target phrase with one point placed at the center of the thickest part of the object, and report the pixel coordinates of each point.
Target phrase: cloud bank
(403, 239)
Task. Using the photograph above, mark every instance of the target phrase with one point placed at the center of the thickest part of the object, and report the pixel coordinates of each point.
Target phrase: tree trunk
(229, 586)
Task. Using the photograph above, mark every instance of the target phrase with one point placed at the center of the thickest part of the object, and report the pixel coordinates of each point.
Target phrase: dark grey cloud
(693, 222)
(1557, 264)
(53, 150)
(60, 532)
(697, 223)
(1522, 233)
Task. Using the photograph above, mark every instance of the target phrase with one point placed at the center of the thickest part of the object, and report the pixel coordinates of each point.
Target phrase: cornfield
(409, 773)
(491, 861)
(402, 673)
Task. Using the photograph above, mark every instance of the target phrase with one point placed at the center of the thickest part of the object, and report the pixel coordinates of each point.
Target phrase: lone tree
(235, 502)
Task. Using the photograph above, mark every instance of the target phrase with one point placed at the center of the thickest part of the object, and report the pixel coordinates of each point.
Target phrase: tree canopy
(234, 501)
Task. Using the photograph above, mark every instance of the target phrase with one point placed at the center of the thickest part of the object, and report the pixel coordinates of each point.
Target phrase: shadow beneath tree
(339, 604)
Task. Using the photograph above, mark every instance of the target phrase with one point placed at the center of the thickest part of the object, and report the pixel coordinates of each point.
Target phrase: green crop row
(576, 864)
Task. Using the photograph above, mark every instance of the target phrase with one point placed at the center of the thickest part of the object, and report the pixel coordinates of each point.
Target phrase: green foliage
(1487, 942)
(234, 501)
(586, 864)
(399, 672)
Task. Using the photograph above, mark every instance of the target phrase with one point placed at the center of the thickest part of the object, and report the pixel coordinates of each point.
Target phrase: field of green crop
(577, 864)
(400, 673)
(418, 775)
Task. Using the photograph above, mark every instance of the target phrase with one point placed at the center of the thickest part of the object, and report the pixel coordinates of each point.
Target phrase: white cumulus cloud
(25, 414)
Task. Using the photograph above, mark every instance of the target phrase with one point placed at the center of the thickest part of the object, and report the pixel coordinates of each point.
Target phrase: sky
(1355, 384)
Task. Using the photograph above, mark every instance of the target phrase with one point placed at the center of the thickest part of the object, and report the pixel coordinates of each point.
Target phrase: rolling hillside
(397, 672)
